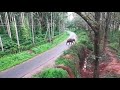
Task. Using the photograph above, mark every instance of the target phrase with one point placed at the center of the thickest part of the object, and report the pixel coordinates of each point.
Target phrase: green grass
(14, 59)
(68, 63)
(114, 45)
(83, 39)
(11, 60)
(52, 73)
(47, 46)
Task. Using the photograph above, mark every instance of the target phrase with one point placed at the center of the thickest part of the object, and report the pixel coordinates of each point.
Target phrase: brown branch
(71, 75)
(87, 21)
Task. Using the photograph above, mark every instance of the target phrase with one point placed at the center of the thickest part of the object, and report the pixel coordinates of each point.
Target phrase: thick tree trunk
(96, 52)
(106, 30)
(97, 45)
(96, 29)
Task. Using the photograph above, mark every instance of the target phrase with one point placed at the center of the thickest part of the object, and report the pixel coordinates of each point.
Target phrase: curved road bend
(22, 69)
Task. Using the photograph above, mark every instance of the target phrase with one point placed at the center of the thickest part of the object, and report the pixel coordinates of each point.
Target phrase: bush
(69, 51)
(53, 73)
(9, 46)
(11, 60)
(85, 40)
(67, 63)
(25, 30)
(27, 47)
(2, 53)
(8, 43)
(114, 45)
(27, 42)
(39, 39)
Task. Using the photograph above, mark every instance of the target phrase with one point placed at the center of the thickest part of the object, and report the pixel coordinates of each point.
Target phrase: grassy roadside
(69, 58)
(11, 60)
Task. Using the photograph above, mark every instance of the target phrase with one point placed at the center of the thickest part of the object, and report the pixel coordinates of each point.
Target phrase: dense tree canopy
(29, 28)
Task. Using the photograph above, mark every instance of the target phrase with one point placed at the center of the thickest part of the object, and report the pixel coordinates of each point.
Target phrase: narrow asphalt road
(21, 70)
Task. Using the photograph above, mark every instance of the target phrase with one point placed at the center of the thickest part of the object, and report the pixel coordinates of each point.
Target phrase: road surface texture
(38, 61)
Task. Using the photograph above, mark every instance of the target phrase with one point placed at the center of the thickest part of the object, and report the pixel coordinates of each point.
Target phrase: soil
(111, 66)
(106, 67)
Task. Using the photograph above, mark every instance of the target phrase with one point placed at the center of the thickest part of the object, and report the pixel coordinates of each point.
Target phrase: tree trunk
(53, 27)
(2, 25)
(32, 28)
(1, 44)
(16, 32)
(59, 25)
(96, 52)
(48, 29)
(96, 29)
(22, 18)
(90, 34)
(8, 25)
(97, 45)
(106, 30)
(51, 32)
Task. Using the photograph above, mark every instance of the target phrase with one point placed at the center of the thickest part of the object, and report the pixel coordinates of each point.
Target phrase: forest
(59, 44)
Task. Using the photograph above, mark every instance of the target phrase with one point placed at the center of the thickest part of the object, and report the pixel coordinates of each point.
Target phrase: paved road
(21, 70)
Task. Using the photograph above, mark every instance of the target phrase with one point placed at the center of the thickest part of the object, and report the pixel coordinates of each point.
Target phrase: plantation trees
(95, 25)
(27, 29)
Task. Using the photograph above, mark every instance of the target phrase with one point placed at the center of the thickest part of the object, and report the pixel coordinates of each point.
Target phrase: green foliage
(114, 45)
(14, 59)
(69, 51)
(77, 49)
(13, 33)
(46, 46)
(39, 40)
(41, 48)
(27, 47)
(114, 37)
(25, 35)
(84, 39)
(8, 60)
(38, 30)
(9, 45)
(2, 30)
(69, 63)
(53, 73)
(2, 53)
(25, 30)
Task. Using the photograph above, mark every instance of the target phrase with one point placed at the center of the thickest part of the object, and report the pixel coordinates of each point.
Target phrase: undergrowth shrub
(68, 63)
(53, 73)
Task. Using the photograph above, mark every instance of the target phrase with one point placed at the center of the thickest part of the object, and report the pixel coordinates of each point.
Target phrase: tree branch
(87, 21)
